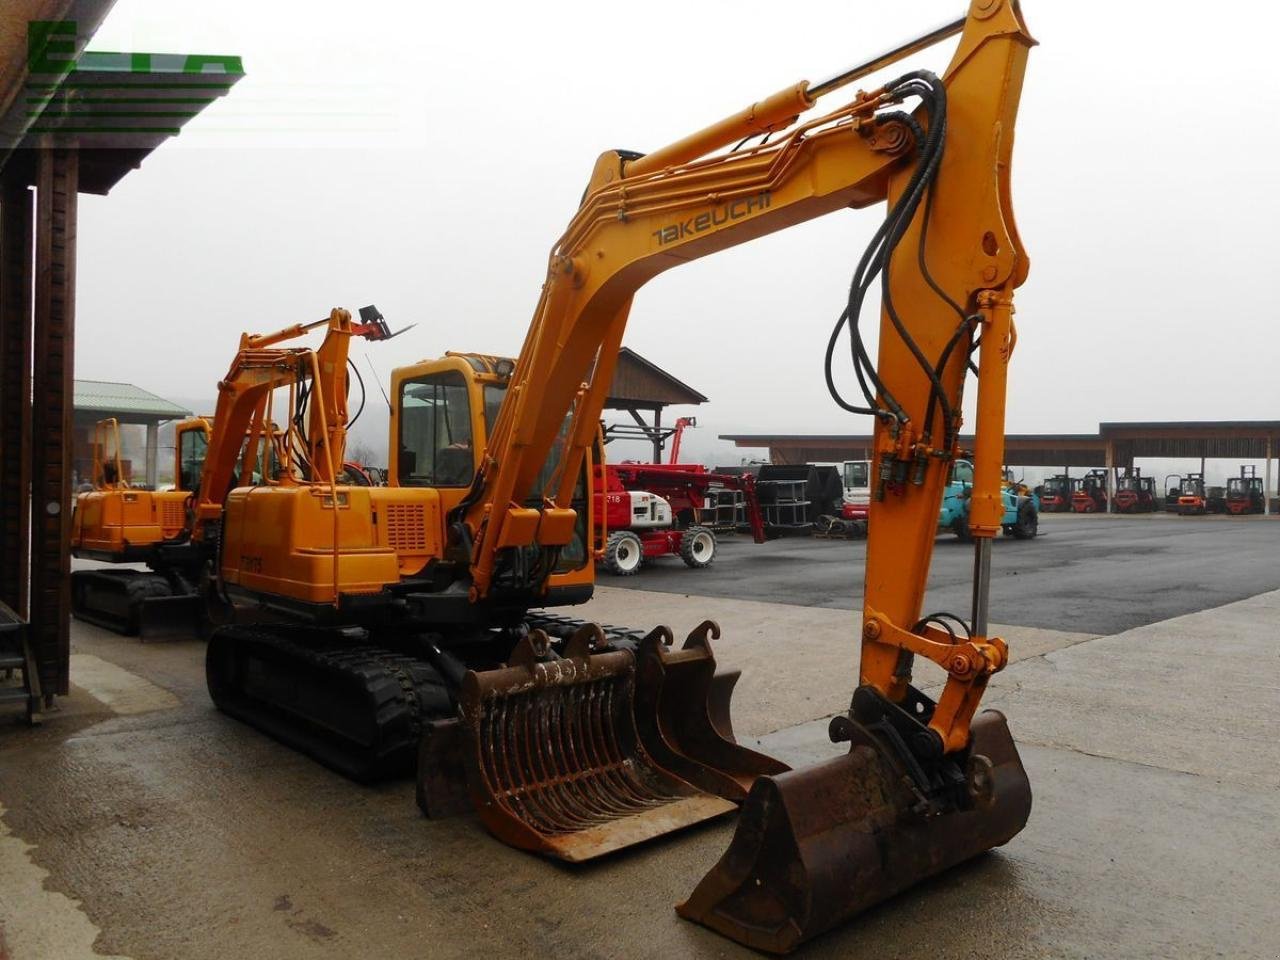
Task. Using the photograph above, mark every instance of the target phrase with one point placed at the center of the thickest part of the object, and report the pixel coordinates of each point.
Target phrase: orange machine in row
(119, 523)
(409, 623)
(122, 524)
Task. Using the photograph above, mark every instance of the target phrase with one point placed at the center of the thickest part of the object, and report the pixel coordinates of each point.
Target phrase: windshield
(1055, 486)
(435, 431)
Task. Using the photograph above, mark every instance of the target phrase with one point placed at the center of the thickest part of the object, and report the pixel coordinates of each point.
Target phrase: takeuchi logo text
(716, 217)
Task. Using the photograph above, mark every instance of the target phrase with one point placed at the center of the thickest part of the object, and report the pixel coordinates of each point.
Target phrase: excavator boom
(947, 258)
(415, 612)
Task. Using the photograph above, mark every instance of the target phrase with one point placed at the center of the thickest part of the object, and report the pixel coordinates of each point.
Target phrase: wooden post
(57, 181)
(15, 394)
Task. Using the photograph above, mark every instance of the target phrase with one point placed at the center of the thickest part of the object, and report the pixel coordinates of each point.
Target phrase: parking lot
(1087, 572)
(138, 822)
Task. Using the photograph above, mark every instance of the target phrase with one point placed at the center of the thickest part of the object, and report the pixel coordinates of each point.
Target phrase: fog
(424, 157)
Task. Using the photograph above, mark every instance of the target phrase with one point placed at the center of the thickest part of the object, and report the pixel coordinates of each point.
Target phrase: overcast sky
(424, 157)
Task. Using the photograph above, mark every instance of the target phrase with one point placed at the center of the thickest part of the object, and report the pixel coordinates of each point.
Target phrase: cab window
(962, 472)
(435, 443)
(192, 447)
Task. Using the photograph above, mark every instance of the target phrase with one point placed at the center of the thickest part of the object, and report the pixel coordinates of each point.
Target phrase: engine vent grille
(173, 515)
(407, 527)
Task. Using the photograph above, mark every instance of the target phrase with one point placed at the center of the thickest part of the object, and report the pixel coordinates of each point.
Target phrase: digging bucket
(817, 846)
(554, 760)
(682, 715)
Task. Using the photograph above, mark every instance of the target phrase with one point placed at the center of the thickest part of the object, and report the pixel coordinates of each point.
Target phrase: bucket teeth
(816, 846)
(554, 761)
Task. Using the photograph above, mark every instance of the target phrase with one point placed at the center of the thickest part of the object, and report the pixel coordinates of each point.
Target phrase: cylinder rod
(893, 54)
(981, 585)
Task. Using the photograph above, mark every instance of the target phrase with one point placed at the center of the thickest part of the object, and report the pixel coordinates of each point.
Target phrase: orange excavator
(410, 622)
(119, 523)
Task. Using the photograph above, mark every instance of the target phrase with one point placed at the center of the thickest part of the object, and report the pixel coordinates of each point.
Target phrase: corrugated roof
(103, 396)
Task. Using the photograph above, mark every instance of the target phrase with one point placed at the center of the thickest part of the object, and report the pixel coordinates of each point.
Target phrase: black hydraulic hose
(931, 160)
(359, 380)
(871, 263)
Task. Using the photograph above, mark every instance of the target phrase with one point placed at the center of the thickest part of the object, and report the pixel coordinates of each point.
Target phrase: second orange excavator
(119, 523)
(410, 620)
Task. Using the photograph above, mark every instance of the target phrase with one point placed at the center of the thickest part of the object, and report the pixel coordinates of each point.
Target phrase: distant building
(97, 400)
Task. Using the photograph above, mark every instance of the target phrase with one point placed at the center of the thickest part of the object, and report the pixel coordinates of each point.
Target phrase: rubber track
(357, 709)
(125, 591)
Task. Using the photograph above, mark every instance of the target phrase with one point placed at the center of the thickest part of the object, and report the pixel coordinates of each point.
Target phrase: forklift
(1134, 492)
(1191, 497)
(1055, 494)
(1091, 494)
(1215, 500)
(1244, 493)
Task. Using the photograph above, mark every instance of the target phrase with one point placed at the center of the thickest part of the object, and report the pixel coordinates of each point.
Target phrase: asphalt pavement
(1090, 574)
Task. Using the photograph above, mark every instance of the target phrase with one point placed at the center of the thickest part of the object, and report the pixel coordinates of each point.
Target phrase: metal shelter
(1025, 450)
(96, 400)
(70, 122)
(1115, 445)
(641, 387)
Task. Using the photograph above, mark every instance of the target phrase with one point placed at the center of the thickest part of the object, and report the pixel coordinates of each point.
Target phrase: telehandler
(409, 618)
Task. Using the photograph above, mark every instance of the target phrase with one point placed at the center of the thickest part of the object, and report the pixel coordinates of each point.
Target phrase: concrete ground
(138, 822)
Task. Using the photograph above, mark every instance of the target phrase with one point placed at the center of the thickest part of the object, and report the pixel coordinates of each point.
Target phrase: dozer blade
(682, 714)
(554, 760)
(175, 617)
(816, 846)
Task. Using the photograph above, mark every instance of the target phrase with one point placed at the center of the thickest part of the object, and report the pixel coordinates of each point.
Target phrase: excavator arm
(949, 258)
(317, 380)
(925, 784)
